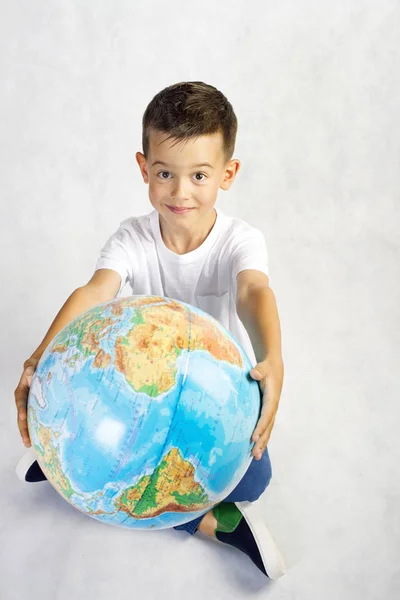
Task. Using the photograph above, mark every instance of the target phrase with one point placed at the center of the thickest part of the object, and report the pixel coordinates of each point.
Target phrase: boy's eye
(203, 176)
(162, 172)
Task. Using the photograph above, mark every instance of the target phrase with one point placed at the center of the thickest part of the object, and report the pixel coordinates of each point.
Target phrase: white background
(316, 89)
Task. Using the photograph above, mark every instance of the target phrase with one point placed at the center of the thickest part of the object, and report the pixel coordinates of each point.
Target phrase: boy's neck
(183, 240)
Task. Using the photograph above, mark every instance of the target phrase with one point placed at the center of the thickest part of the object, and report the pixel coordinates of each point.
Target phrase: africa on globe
(141, 412)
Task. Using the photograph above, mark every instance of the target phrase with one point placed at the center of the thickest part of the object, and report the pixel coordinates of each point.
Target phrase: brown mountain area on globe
(162, 328)
(170, 488)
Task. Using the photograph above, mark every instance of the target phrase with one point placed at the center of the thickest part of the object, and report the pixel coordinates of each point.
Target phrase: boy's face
(181, 182)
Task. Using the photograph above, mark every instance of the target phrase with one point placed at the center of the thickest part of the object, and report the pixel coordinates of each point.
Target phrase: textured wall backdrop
(316, 89)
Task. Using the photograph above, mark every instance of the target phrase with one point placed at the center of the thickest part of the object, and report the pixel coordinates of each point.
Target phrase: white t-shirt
(205, 277)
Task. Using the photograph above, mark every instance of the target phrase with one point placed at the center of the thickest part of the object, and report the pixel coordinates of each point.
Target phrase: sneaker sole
(25, 463)
(271, 557)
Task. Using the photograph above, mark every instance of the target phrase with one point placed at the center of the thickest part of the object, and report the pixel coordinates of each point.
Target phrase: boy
(188, 250)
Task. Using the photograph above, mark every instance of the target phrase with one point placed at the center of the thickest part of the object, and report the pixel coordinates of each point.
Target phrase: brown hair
(190, 109)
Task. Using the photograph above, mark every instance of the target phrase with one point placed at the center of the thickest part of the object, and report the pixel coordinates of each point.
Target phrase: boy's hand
(21, 398)
(269, 374)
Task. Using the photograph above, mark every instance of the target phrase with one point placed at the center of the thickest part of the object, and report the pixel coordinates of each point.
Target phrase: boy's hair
(190, 109)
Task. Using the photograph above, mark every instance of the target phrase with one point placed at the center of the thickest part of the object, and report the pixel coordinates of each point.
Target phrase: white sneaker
(270, 555)
(28, 468)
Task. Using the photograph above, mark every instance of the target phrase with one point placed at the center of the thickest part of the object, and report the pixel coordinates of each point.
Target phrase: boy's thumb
(255, 373)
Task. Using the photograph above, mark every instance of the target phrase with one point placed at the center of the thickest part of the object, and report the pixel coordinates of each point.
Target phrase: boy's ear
(230, 172)
(141, 161)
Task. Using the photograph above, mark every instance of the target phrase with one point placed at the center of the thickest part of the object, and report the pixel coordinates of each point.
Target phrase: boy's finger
(21, 398)
(23, 430)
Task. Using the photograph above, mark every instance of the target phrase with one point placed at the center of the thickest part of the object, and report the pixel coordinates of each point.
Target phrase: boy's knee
(260, 483)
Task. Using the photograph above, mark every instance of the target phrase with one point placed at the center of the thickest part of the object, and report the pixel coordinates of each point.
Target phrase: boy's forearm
(259, 315)
(78, 302)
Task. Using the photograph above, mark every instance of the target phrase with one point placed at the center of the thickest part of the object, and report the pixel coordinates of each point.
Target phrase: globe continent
(141, 412)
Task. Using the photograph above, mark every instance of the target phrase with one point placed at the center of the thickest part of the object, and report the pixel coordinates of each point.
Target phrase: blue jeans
(250, 487)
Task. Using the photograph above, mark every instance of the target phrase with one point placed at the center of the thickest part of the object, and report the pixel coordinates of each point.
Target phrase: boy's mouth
(179, 210)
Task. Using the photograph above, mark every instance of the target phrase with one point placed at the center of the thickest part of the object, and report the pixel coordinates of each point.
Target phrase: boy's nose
(179, 193)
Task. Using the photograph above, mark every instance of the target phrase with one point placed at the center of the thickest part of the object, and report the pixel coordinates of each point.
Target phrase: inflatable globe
(141, 411)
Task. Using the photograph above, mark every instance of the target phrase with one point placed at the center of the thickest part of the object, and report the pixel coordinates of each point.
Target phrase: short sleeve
(249, 251)
(115, 254)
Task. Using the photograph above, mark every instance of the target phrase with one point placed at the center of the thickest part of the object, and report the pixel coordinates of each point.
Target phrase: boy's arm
(256, 308)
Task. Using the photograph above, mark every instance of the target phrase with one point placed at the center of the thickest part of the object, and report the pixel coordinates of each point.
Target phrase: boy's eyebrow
(160, 162)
